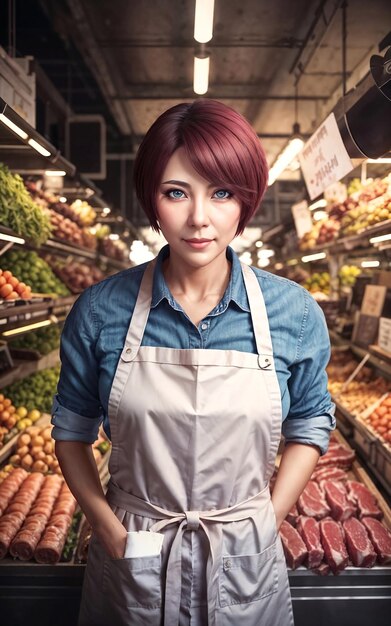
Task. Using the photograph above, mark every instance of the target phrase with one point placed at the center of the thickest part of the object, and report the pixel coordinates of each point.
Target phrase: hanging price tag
(324, 158)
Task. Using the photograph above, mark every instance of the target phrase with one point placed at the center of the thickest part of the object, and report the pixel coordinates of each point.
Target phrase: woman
(197, 362)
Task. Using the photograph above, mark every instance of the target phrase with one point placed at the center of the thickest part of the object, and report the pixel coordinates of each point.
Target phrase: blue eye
(176, 194)
(222, 194)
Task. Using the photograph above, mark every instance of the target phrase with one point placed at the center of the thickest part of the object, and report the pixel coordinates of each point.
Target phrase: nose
(198, 212)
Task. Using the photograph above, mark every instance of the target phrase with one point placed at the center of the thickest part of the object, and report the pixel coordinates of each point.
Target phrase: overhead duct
(364, 113)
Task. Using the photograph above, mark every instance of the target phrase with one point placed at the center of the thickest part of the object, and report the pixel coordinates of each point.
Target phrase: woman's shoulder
(112, 294)
(285, 294)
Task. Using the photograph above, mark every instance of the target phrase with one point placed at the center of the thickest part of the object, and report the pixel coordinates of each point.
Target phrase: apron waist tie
(188, 520)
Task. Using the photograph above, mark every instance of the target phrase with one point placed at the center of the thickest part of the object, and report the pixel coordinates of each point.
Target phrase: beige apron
(195, 434)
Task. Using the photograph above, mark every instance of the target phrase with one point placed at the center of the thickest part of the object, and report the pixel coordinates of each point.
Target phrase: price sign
(373, 301)
(384, 339)
(302, 216)
(324, 158)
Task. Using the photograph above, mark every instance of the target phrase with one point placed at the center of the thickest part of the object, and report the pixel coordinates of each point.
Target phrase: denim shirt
(96, 327)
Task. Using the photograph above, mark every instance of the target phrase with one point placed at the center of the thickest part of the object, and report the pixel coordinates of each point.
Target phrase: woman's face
(197, 218)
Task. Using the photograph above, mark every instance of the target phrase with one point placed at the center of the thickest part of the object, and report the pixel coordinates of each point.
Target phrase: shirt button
(227, 564)
(128, 350)
(204, 326)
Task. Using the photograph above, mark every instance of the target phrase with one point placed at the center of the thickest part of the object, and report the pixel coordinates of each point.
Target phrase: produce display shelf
(375, 357)
(24, 368)
(17, 316)
(346, 244)
(65, 248)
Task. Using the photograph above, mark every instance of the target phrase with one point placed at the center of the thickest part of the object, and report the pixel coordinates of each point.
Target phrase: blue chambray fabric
(95, 330)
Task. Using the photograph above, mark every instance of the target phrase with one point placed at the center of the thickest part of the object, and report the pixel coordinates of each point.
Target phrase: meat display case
(43, 595)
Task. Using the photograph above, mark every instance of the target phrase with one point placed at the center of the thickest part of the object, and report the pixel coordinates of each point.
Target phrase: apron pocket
(249, 577)
(133, 582)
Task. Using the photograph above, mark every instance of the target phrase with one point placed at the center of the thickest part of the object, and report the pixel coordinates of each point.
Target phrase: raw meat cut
(294, 547)
(338, 456)
(358, 543)
(333, 544)
(52, 542)
(380, 537)
(308, 528)
(329, 473)
(322, 570)
(312, 503)
(26, 540)
(17, 510)
(336, 496)
(364, 499)
(292, 515)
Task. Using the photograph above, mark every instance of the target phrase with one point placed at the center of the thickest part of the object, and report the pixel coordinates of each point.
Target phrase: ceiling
(275, 62)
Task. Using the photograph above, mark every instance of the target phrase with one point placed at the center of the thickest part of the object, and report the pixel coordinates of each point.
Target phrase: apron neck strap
(140, 313)
(258, 312)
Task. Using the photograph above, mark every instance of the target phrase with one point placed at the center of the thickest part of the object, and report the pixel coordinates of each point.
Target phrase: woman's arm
(81, 474)
(298, 461)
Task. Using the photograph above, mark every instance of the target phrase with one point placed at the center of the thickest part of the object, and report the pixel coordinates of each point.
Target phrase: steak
(292, 515)
(329, 473)
(380, 537)
(308, 528)
(358, 543)
(336, 496)
(294, 547)
(365, 500)
(333, 545)
(312, 503)
(337, 456)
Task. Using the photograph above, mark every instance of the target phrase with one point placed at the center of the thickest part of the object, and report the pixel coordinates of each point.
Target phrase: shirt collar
(235, 291)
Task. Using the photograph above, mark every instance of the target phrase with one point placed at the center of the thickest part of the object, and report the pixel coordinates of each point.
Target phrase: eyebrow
(182, 183)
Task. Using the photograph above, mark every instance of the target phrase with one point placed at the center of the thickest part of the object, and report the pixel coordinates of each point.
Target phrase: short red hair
(220, 144)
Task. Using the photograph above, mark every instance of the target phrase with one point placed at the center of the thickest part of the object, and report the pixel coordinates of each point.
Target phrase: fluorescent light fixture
(380, 238)
(319, 204)
(106, 210)
(62, 199)
(201, 75)
(265, 253)
(370, 264)
(5, 237)
(263, 262)
(288, 154)
(55, 173)
(12, 126)
(320, 215)
(258, 244)
(114, 237)
(37, 146)
(313, 257)
(385, 160)
(203, 20)
(22, 329)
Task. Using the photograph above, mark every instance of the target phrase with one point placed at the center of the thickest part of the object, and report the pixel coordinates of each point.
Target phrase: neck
(197, 283)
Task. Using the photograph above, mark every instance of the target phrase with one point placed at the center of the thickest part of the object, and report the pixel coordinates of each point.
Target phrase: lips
(198, 240)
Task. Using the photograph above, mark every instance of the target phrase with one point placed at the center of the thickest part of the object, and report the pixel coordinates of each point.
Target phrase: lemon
(21, 424)
(21, 411)
(28, 422)
(34, 415)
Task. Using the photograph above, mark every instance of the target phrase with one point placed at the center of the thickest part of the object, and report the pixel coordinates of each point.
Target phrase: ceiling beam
(175, 92)
(107, 77)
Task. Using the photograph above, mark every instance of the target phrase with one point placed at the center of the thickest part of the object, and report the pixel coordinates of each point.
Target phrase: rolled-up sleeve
(77, 412)
(311, 416)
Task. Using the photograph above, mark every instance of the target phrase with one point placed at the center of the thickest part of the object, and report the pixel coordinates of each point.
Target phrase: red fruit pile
(12, 288)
